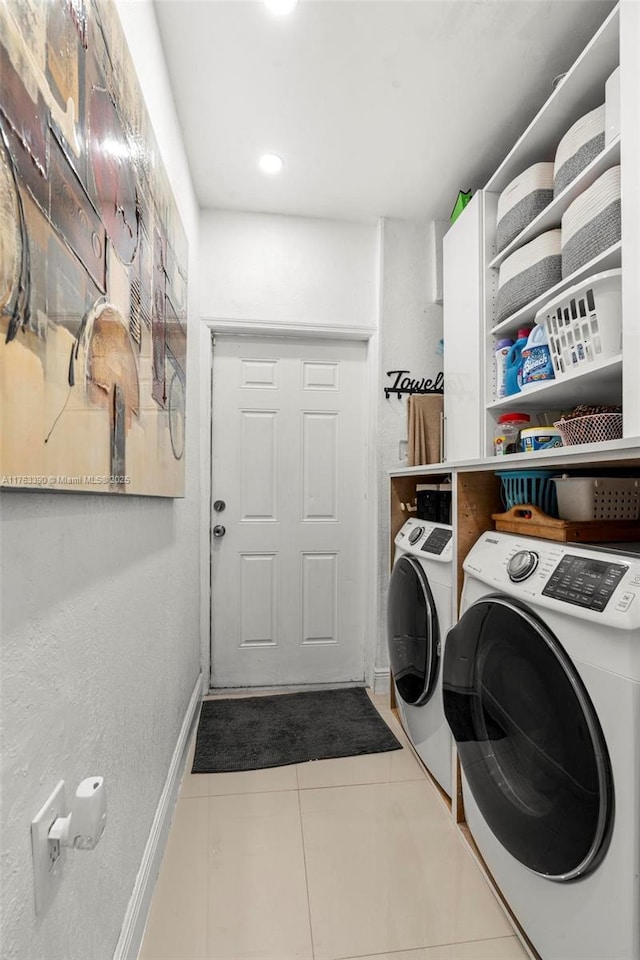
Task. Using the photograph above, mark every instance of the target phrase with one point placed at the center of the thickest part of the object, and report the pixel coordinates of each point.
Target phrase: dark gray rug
(249, 733)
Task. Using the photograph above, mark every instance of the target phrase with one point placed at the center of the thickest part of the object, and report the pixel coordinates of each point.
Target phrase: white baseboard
(135, 919)
(381, 680)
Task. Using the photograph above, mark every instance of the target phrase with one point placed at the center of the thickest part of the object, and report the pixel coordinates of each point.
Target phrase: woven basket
(592, 223)
(528, 273)
(592, 429)
(521, 202)
(579, 146)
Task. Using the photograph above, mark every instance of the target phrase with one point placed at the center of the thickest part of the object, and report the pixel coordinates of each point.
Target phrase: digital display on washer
(583, 581)
(437, 540)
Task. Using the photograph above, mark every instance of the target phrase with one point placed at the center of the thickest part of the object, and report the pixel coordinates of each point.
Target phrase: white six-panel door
(289, 462)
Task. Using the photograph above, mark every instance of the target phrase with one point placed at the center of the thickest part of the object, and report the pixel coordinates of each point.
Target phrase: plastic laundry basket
(529, 486)
(598, 498)
(584, 324)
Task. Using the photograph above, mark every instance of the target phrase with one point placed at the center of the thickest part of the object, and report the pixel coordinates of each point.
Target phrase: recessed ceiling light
(280, 7)
(271, 163)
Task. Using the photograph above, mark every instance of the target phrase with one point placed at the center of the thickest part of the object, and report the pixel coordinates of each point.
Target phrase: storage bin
(595, 428)
(580, 145)
(521, 202)
(592, 223)
(529, 486)
(433, 502)
(598, 498)
(528, 273)
(584, 324)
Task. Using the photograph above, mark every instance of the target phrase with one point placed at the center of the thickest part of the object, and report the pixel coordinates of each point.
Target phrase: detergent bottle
(501, 354)
(513, 372)
(536, 358)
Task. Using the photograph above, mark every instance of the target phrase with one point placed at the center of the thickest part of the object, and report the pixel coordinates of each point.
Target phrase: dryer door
(530, 744)
(412, 632)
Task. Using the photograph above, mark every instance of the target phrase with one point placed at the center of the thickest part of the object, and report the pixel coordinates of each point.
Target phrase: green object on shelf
(461, 202)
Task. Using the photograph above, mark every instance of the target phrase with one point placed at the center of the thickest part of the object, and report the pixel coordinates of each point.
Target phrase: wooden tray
(529, 521)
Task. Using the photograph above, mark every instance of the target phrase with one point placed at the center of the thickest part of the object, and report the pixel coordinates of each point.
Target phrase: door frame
(209, 326)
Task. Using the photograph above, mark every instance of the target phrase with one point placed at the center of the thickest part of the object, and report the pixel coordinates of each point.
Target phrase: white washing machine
(419, 610)
(541, 686)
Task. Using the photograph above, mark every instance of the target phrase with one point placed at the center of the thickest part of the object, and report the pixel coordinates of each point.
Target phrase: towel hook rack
(408, 385)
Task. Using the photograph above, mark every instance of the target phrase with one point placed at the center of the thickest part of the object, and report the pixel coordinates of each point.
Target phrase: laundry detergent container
(521, 202)
(580, 145)
(528, 273)
(537, 366)
(592, 223)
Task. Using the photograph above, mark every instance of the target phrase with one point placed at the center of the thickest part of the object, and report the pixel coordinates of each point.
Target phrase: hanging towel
(424, 413)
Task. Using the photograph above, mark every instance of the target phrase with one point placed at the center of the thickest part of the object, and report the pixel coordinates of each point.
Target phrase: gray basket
(527, 286)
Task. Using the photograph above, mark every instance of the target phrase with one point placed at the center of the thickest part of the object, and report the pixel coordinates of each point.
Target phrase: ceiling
(378, 108)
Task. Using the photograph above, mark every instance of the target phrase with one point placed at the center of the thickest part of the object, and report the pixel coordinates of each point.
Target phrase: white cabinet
(471, 265)
(630, 160)
(463, 374)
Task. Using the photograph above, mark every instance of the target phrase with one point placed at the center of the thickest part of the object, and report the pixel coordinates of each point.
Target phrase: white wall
(262, 269)
(278, 269)
(410, 339)
(100, 643)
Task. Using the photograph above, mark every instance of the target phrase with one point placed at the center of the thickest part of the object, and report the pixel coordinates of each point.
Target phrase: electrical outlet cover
(47, 867)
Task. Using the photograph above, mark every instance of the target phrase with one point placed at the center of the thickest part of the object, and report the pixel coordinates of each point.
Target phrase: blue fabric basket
(529, 486)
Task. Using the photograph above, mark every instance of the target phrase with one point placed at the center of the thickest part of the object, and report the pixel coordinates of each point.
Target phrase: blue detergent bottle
(537, 365)
(513, 371)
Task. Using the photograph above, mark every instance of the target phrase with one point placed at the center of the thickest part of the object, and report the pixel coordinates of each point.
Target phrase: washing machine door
(530, 744)
(412, 632)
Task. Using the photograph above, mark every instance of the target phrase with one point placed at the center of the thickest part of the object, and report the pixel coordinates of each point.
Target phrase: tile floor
(332, 860)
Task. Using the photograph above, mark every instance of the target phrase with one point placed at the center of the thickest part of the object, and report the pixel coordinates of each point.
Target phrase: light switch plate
(48, 858)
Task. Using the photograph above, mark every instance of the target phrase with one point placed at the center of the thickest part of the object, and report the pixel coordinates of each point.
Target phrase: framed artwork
(93, 263)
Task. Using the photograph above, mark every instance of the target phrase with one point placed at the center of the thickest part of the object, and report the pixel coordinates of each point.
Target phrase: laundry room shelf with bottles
(474, 317)
(601, 383)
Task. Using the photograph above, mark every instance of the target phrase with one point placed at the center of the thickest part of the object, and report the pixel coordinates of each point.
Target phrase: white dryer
(541, 686)
(419, 608)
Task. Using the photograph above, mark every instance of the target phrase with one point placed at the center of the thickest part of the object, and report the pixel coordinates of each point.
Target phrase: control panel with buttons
(586, 582)
(425, 539)
(592, 582)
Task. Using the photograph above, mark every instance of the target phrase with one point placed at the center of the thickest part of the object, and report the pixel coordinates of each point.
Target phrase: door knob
(219, 530)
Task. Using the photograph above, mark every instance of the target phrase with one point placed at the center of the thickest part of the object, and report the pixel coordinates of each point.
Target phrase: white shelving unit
(582, 89)
(471, 265)
(601, 383)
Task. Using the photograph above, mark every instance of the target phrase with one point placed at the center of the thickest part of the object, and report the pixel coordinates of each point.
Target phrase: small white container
(598, 498)
(539, 438)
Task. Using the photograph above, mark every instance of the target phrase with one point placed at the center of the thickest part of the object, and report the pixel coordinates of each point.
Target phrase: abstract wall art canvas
(93, 263)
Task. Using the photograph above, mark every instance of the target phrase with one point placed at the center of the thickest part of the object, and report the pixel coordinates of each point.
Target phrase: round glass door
(529, 740)
(412, 632)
